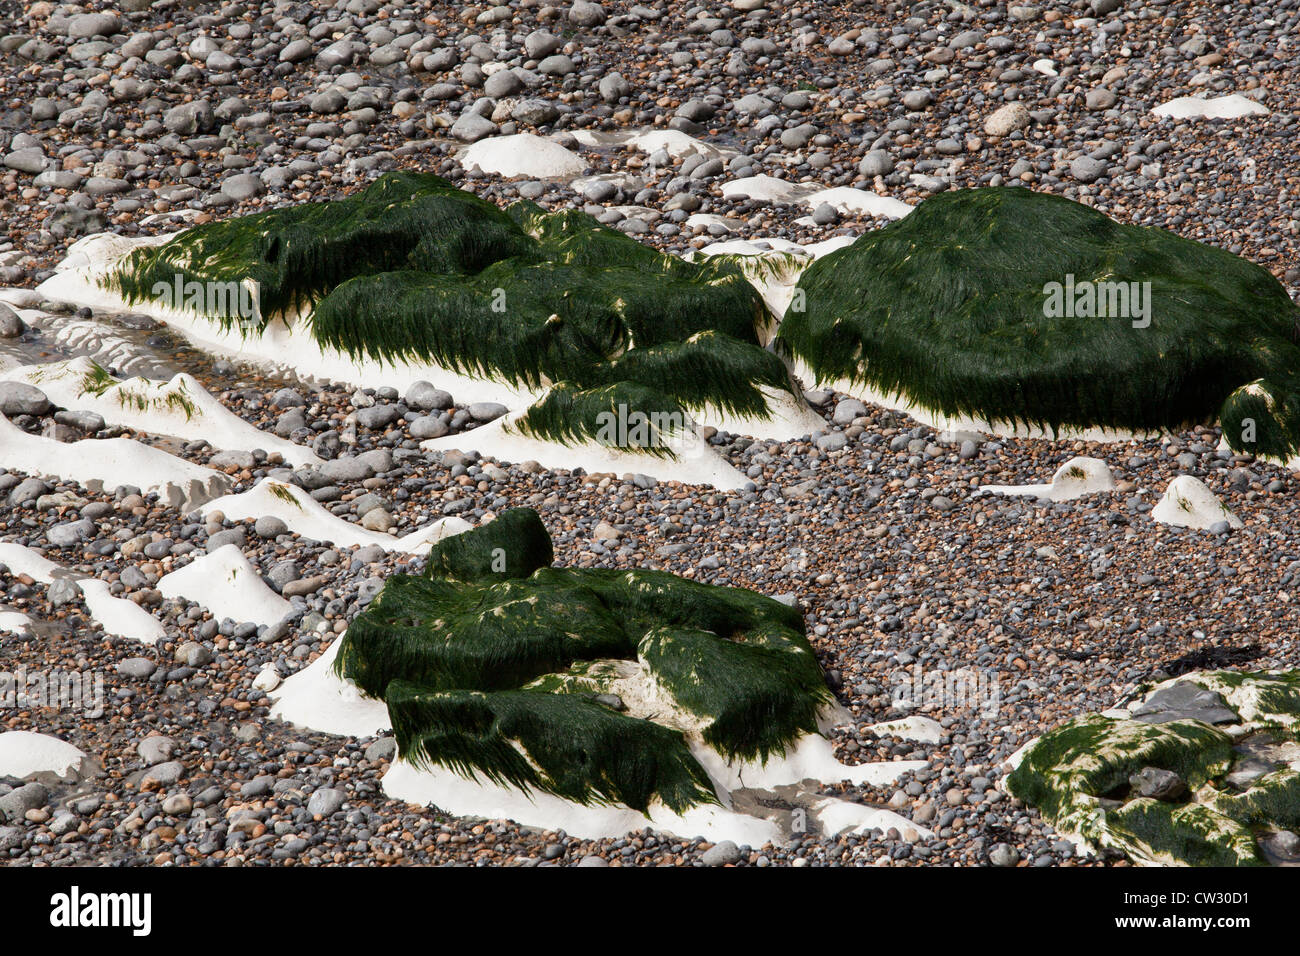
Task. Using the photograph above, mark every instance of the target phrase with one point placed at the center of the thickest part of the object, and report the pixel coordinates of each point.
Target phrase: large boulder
(578, 682)
(1197, 771)
(1020, 307)
(413, 269)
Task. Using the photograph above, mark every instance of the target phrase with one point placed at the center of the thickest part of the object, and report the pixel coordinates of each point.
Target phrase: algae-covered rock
(1110, 781)
(583, 682)
(413, 269)
(1008, 305)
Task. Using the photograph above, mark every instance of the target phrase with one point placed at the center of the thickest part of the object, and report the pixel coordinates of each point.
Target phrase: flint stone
(1185, 701)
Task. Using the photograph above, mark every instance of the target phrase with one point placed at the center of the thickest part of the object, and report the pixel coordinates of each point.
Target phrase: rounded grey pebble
(137, 667)
(1003, 855)
(721, 854)
(19, 398)
(269, 526)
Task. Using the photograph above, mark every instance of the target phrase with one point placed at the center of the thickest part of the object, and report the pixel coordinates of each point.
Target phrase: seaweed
(411, 269)
(950, 307)
(1074, 774)
(493, 661)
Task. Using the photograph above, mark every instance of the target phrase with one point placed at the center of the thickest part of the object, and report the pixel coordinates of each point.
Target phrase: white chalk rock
(20, 559)
(97, 341)
(845, 199)
(706, 220)
(696, 462)
(851, 201)
(284, 343)
(24, 754)
(773, 266)
(523, 154)
(810, 757)
(675, 143)
(789, 417)
(305, 516)
(763, 188)
(316, 698)
(101, 247)
(839, 816)
(20, 298)
(1078, 477)
(118, 616)
(480, 798)
(180, 407)
(923, 730)
(108, 463)
(15, 622)
(1081, 476)
(228, 586)
(1233, 106)
(1188, 503)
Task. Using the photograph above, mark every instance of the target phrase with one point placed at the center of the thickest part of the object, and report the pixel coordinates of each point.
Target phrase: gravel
(876, 527)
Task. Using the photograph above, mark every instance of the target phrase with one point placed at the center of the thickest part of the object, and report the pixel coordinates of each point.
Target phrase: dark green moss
(475, 657)
(625, 415)
(947, 307)
(512, 546)
(1189, 834)
(1073, 772)
(757, 694)
(1095, 756)
(480, 635)
(299, 253)
(411, 269)
(707, 368)
(571, 747)
(1273, 800)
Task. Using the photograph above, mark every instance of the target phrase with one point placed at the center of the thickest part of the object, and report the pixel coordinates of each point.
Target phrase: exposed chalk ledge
(98, 464)
(306, 517)
(181, 407)
(315, 698)
(117, 616)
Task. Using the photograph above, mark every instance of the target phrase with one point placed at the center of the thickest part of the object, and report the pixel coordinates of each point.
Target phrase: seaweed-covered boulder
(588, 684)
(1203, 770)
(412, 269)
(1010, 306)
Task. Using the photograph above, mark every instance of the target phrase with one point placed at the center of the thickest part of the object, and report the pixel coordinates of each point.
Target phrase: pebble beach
(141, 118)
